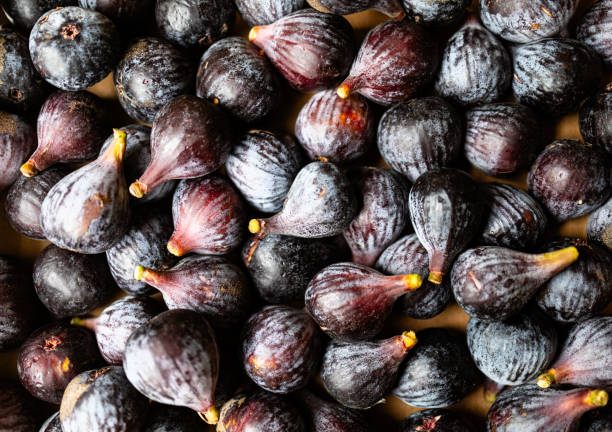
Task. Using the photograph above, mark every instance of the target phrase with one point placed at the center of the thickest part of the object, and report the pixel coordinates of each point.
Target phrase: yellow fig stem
(562, 257)
(175, 249)
(138, 189)
(343, 91)
(254, 226)
(412, 281)
(409, 339)
(435, 277)
(253, 33)
(547, 379)
(117, 147)
(210, 416)
(28, 169)
(597, 398)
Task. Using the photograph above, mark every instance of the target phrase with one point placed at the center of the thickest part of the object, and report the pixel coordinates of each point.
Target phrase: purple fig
(261, 12)
(434, 420)
(596, 119)
(599, 225)
(332, 417)
(18, 411)
(594, 30)
(436, 14)
(391, 8)
(17, 141)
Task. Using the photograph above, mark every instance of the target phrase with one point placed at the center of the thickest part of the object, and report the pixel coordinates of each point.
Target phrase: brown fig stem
(547, 379)
(436, 267)
(29, 169)
(138, 189)
(597, 398)
(210, 416)
(557, 260)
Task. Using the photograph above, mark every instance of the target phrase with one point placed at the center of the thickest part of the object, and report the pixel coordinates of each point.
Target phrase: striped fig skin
(52, 424)
(408, 256)
(596, 119)
(513, 219)
(493, 283)
(262, 12)
(18, 411)
(17, 141)
(444, 13)
(396, 60)
(595, 30)
(475, 67)
(526, 20)
(420, 135)
(434, 420)
(262, 166)
(573, 67)
(599, 225)
(391, 8)
(281, 348)
(332, 417)
(335, 129)
(514, 351)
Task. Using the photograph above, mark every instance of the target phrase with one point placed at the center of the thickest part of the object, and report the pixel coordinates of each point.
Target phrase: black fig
(599, 225)
(434, 420)
(596, 119)
(24, 13)
(18, 411)
(440, 13)
(594, 30)
(327, 416)
(391, 8)
(17, 141)
(261, 12)
(126, 13)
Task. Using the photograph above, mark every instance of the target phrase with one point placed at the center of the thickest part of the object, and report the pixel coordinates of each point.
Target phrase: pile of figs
(200, 263)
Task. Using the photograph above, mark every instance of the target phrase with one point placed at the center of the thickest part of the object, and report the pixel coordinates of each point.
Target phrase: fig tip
(210, 416)
(28, 169)
(597, 398)
(175, 249)
(546, 379)
(138, 272)
(343, 91)
(409, 339)
(435, 277)
(138, 189)
(412, 281)
(254, 226)
(253, 33)
(76, 321)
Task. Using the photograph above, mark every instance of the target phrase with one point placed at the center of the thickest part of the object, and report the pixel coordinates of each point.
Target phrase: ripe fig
(52, 356)
(594, 30)
(17, 141)
(165, 418)
(420, 135)
(445, 209)
(352, 301)
(436, 14)
(52, 424)
(262, 12)
(320, 203)
(360, 374)
(327, 416)
(396, 60)
(492, 283)
(434, 420)
(18, 411)
(596, 119)
(262, 166)
(311, 49)
(124, 12)
(599, 226)
(334, 129)
(24, 13)
(391, 8)
(190, 138)
(88, 210)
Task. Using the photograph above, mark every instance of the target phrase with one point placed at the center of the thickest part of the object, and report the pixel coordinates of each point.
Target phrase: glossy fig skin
(327, 416)
(52, 356)
(573, 67)
(262, 165)
(150, 74)
(52, 424)
(594, 30)
(396, 60)
(570, 179)
(436, 14)
(334, 129)
(599, 225)
(258, 12)
(434, 420)
(166, 418)
(25, 13)
(18, 412)
(419, 135)
(391, 8)
(512, 218)
(17, 141)
(596, 119)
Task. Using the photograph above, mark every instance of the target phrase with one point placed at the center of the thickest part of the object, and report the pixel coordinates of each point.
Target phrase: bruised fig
(281, 348)
(18, 411)
(52, 424)
(596, 119)
(391, 8)
(327, 416)
(17, 141)
(446, 209)
(433, 420)
(594, 30)
(438, 13)
(261, 12)
(311, 49)
(396, 60)
(190, 138)
(585, 359)
(88, 210)
(360, 374)
(71, 127)
(165, 418)
(493, 283)
(320, 203)
(599, 225)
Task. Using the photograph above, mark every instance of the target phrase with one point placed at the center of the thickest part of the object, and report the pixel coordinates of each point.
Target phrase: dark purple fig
(334, 129)
(208, 217)
(391, 8)
(281, 348)
(150, 74)
(420, 135)
(596, 119)
(262, 12)
(491, 390)
(249, 92)
(71, 127)
(501, 139)
(18, 411)
(513, 219)
(173, 359)
(358, 374)
(383, 215)
(434, 420)
(17, 141)
(492, 283)
(439, 13)
(210, 285)
(194, 24)
(88, 210)
(396, 60)
(102, 400)
(570, 179)
(597, 420)
(599, 226)
(320, 203)
(446, 210)
(526, 20)
(594, 30)
(126, 13)
(74, 48)
(529, 408)
(327, 416)
(262, 166)
(407, 256)
(585, 359)
(70, 283)
(311, 49)
(52, 424)
(165, 418)
(262, 411)
(438, 372)
(190, 138)
(351, 301)
(52, 356)
(116, 323)
(582, 289)
(24, 13)
(554, 75)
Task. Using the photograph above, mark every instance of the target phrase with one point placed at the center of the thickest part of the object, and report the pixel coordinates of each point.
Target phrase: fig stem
(597, 398)
(435, 277)
(28, 169)
(255, 226)
(117, 148)
(174, 248)
(211, 416)
(561, 258)
(547, 379)
(138, 189)
(253, 33)
(409, 339)
(343, 91)
(88, 323)
(412, 281)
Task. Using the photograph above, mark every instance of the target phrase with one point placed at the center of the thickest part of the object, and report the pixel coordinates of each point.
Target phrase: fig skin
(150, 74)
(18, 410)
(281, 349)
(391, 8)
(436, 14)
(596, 119)
(25, 13)
(126, 13)
(334, 129)
(165, 418)
(594, 30)
(17, 141)
(52, 356)
(311, 49)
(438, 372)
(262, 165)
(599, 225)
(434, 420)
(396, 60)
(420, 135)
(327, 416)
(262, 12)
(52, 424)
(570, 179)
(240, 79)
(597, 420)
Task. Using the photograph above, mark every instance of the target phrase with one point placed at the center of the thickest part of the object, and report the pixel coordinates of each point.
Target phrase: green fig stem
(597, 398)
(88, 323)
(547, 379)
(29, 169)
(210, 416)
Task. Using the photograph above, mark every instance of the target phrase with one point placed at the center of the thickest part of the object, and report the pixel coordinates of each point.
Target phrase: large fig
(17, 141)
(594, 30)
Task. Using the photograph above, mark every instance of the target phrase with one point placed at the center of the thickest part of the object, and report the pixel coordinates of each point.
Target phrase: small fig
(332, 417)
(391, 8)
(434, 420)
(17, 141)
(436, 14)
(594, 30)
(599, 226)
(596, 119)
(262, 12)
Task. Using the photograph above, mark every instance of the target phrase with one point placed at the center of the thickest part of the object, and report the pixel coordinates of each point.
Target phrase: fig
(391, 8)
(124, 12)
(18, 411)
(597, 420)
(436, 14)
(17, 141)
(434, 420)
(262, 12)
(594, 30)
(360, 374)
(24, 13)
(334, 129)
(420, 135)
(165, 418)
(599, 226)
(332, 417)
(596, 119)
(492, 283)
(396, 60)
(352, 301)
(52, 424)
